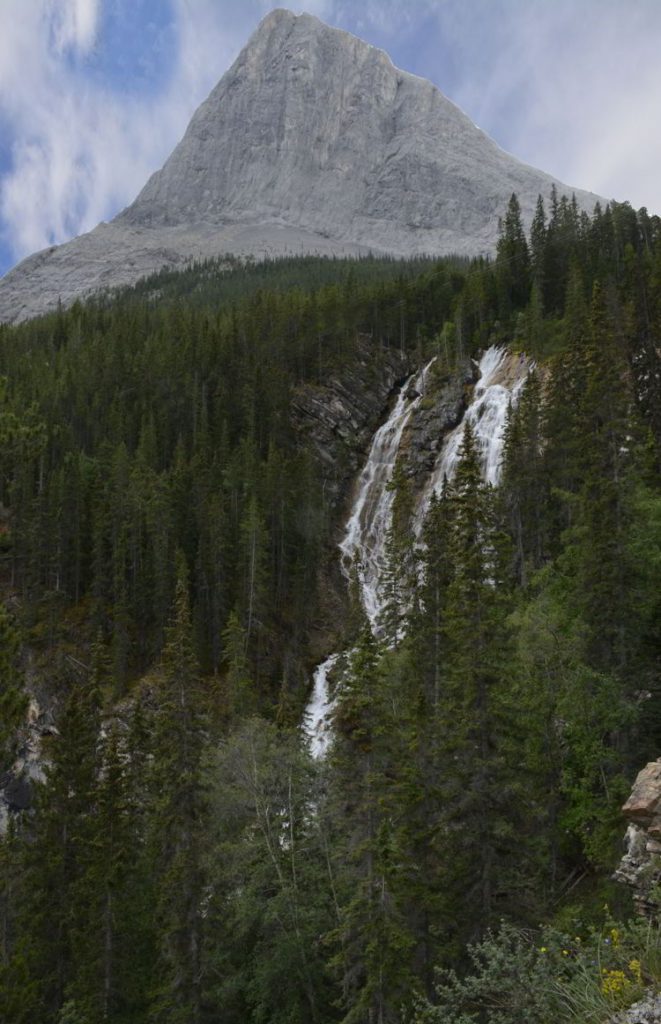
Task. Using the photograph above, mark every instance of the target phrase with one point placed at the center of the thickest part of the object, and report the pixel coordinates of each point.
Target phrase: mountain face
(311, 142)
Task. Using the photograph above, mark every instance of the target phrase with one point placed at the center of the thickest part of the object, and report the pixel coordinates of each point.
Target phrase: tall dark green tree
(512, 262)
(178, 820)
(53, 857)
(373, 940)
(13, 699)
(475, 721)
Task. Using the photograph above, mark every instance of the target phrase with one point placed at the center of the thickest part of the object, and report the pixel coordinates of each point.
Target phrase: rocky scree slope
(312, 142)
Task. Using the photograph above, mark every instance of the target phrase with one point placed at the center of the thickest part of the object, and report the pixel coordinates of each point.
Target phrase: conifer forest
(178, 850)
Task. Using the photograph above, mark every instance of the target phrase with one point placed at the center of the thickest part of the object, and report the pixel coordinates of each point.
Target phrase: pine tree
(607, 430)
(53, 857)
(13, 699)
(241, 697)
(538, 250)
(523, 488)
(373, 961)
(113, 941)
(512, 262)
(398, 578)
(475, 723)
(178, 820)
(270, 893)
(436, 571)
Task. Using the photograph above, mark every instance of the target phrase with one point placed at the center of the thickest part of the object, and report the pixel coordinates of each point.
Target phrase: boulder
(640, 867)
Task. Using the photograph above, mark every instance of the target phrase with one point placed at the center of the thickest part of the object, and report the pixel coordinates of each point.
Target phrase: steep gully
(501, 377)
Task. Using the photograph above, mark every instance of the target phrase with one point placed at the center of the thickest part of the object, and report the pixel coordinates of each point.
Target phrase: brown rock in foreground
(640, 867)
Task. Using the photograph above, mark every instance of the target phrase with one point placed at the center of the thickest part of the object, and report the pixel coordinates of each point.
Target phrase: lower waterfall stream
(501, 377)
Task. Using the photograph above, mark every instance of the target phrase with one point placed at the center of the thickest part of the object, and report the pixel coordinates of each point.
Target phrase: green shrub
(549, 977)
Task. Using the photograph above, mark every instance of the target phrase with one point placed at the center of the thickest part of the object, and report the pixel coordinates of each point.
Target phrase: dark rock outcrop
(30, 752)
(337, 419)
(441, 409)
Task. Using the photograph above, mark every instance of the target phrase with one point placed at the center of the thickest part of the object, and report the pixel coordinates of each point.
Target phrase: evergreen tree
(398, 578)
(271, 896)
(538, 249)
(53, 858)
(524, 489)
(512, 262)
(373, 938)
(113, 941)
(607, 430)
(475, 724)
(178, 820)
(13, 699)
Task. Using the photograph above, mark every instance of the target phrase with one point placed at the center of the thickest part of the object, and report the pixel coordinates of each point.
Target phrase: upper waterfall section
(502, 375)
(312, 142)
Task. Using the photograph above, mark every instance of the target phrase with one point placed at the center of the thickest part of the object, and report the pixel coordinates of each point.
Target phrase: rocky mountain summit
(312, 142)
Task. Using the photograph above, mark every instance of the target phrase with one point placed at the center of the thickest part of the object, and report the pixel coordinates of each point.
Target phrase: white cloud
(572, 88)
(74, 23)
(79, 151)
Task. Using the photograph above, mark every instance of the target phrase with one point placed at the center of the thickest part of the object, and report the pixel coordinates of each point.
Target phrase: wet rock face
(336, 419)
(440, 411)
(640, 867)
(17, 783)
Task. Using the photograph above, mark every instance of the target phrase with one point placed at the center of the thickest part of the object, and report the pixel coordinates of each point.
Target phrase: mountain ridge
(312, 141)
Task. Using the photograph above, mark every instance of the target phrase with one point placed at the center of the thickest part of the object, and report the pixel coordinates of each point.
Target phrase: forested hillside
(168, 534)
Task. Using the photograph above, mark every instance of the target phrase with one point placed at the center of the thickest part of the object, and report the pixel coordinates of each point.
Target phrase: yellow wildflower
(614, 984)
(636, 970)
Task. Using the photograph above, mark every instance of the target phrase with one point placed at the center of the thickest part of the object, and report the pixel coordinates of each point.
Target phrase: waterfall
(316, 723)
(367, 528)
(364, 540)
(501, 377)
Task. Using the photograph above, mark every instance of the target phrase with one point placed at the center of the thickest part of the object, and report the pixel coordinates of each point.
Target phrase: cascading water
(501, 377)
(316, 721)
(366, 531)
(364, 541)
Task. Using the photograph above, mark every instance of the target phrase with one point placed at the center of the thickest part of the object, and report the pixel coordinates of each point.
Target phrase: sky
(94, 94)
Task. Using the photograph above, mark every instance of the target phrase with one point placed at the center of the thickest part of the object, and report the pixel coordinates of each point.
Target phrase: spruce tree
(13, 699)
(54, 855)
(177, 826)
(512, 262)
(475, 723)
(374, 942)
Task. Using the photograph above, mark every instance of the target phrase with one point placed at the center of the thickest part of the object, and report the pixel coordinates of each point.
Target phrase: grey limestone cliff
(311, 142)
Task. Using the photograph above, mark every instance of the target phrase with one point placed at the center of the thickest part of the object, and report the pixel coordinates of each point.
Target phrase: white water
(497, 387)
(367, 528)
(364, 541)
(316, 724)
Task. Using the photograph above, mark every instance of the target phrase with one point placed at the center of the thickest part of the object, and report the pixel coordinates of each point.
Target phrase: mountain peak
(313, 141)
(314, 128)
